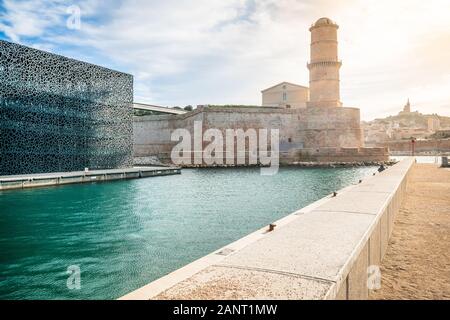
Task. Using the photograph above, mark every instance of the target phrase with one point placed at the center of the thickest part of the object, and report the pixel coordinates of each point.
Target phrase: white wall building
(285, 95)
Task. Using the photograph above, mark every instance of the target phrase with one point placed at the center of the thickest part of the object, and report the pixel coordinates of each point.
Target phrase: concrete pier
(322, 251)
(62, 178)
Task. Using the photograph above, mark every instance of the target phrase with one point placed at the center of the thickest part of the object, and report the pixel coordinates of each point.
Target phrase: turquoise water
(125, 234)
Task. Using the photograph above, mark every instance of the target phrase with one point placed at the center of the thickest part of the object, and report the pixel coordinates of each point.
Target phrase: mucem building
(58, 114)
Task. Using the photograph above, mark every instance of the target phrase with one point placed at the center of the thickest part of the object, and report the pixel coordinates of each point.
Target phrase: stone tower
(324, 65)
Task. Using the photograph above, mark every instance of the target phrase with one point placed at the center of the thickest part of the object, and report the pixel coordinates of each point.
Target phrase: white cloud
(28, 18)
(214, 51)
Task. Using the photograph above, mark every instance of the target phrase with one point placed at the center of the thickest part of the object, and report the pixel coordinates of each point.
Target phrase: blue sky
(226, 52)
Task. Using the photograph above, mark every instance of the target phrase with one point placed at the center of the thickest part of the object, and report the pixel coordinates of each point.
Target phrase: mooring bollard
(445, 162)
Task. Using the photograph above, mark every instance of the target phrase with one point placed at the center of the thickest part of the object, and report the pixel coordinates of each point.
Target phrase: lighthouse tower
(324, 65)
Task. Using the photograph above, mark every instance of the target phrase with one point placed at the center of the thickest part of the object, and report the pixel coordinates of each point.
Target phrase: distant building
(60, 114)
(404, 126)
(407, 107)
(433, 124)
(442, 134)
(285, 95)
(408, 133)
(407, 110)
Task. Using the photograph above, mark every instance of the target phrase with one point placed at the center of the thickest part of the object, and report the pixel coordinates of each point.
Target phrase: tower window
(284, 96)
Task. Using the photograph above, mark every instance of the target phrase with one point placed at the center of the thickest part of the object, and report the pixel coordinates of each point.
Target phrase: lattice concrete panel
(59, 114)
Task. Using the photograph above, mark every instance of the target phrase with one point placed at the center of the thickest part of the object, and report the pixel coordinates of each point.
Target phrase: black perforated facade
(59, 114)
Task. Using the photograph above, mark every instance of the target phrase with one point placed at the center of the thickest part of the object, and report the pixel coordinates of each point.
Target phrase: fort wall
(310, 134)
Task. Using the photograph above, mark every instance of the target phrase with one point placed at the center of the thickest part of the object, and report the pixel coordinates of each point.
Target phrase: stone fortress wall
(305, 134)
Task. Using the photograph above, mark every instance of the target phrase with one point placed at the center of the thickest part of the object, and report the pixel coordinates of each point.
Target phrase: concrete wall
(322, 251)
(63, 178)
(421, 146)
(343, 154)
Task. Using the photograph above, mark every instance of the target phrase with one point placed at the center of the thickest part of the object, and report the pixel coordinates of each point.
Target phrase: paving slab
(357, 202)
(317, 245)
(226, 283)
(379, 185)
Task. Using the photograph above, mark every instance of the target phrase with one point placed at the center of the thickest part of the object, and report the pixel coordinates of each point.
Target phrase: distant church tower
(407, 108)
(324, 65)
